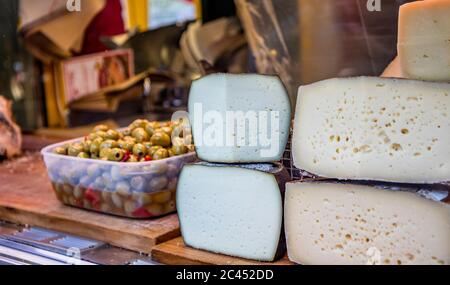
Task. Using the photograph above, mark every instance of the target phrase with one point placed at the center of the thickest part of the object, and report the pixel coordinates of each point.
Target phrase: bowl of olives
(131, 172)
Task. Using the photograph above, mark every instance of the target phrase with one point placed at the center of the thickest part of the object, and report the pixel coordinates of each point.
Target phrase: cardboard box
(84, 75)
(50, 31)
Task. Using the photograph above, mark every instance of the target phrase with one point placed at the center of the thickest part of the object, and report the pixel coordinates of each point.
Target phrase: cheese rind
(368, 128)
(393, 70)
(239, 118)
(424, 40)
(232, 210)
(330, 223)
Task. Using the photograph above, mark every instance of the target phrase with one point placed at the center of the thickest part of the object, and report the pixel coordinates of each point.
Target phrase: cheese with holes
(233, 210)
(340, 224)
(239, 118)
(424, 40)
(369, 128)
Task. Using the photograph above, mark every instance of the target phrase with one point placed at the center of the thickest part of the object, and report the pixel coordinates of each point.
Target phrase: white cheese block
(424, 40)
(239, 118)
(369, 128)
(233, 210)
(340, 224)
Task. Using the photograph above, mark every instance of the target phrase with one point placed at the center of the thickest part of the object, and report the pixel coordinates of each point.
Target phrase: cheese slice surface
(340, 224)
(239, 118)
(368, 128)
(424, 40)
(232, 210)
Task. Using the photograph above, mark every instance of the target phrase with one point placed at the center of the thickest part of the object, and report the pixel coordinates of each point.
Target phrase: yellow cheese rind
(341, 224)
(424, 40)
(393, 70)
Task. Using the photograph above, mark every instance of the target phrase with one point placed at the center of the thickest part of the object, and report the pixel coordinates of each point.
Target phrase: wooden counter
(26, 197)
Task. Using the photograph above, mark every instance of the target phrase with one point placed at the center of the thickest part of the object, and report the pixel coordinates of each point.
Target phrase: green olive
(149, 128)
(95, 145)
(103, 128)
(160, 154)
(140, 135)
(148, 145)
(101, 134)
(104, 152)
(97, 141)
(116, 154)
(167, 130)
(161, 139)
(60, 150)
(153, 149)
(74, 149)
(94, 149)
(179, 149)
(109, 144)
(127, 132)
(126, 145)
(83, 155)
(112, 135)
(139, 150)
(138, 124)
(87, 145)
(129, 139)
(154, 125)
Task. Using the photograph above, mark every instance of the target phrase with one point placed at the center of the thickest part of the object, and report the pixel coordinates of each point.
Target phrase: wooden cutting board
(175, 252)
(26, 197)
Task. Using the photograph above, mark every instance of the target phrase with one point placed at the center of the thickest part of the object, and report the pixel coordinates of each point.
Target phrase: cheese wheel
(233, 210)
(369, 128)
(329, 223)
(424, 40)
(239, 118)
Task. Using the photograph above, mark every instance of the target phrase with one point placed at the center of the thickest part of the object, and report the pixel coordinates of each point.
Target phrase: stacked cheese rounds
(232, 202)
(385, 142)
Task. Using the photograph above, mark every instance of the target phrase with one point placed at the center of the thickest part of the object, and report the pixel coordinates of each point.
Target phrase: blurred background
(66, 64)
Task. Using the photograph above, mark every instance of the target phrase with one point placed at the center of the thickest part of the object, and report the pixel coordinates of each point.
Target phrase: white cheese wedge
(233, 210)
(239, 118)
(424, 40)
(369, 128)
(339, 224)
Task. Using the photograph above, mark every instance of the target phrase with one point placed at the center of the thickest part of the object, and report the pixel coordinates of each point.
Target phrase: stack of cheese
(423, 42)
(233, 202)
(359, 130)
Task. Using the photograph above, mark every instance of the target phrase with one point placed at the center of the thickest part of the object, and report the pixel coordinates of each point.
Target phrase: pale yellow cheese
(393, 70)
(369, 128)
(330, 223)
(424, 40)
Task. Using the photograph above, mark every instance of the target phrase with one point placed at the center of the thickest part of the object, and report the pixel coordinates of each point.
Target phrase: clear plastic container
(136, 190)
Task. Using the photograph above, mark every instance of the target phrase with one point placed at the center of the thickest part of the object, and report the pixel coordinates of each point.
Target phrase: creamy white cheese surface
(424, 40)
(368, 128)
(329, 223)
(239, 118)
(230, 210)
